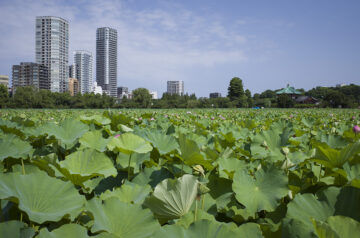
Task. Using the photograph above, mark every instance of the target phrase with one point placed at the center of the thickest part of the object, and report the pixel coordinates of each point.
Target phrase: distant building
(30, 74)
(340, 85)
(215, 95)
(106, 60)
(307, 100)
(96, 89)
(52, 50)
(72, 72)
(83, 70)
(291, 91)
(175, 87)
(122, 91)
(4, 80)
(74, 87)
(154, 94)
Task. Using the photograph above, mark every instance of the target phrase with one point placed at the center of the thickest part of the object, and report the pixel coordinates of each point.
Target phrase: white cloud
(153, 45)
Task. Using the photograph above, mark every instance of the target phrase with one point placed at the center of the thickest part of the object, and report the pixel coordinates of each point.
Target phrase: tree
(250, 100)
(285, 101)
(235, 89)
(4, 96)
(142, 97)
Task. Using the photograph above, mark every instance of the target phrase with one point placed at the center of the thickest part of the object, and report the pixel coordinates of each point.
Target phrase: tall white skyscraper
(106, 60)
(175, 87)
(52, 50)
(83, 62)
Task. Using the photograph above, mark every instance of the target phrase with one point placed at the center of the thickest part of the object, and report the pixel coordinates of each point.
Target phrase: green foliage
(142, 97)
(179, 173)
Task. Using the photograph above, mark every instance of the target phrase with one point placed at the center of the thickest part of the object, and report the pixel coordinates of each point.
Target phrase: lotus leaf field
(179, 174)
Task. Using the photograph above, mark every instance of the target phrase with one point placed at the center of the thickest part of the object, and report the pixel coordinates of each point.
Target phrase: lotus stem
(320, 172)
(202, 202)
(195, 213)
(22, 166)
(129, 167)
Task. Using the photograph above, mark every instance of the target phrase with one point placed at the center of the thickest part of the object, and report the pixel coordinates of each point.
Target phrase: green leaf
(129, 193)
(262, 192)
(190, 153)
(333, 158)
(85, 164)
(15, 229)
(172, 198)
(122, 219)
(164, 143)
(68, 230)
(227, 167)
(96, 119)
(337, 226)
(67, 132)
(152, 176)
(208, 229)
(129, 143)
(12, 146)
(43, 198)
(94, 140)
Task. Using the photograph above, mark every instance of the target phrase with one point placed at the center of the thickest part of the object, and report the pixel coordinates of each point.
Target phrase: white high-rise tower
(83, 70)
(52, 50)
(106, 60)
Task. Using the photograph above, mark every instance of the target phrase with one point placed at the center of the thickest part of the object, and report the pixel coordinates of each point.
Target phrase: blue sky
(205, 43)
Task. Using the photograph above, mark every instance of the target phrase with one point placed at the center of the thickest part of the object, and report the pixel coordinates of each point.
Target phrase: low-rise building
(154, 94)
(96, 89)
(4, 80)
(30, 74)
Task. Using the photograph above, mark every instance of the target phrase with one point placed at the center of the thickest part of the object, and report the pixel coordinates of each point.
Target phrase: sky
(205, 43)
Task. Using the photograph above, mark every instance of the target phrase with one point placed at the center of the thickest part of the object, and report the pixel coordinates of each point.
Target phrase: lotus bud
(356, 129)
(203, 189)
(198, 168)
(285, 150)
(117, 135)
(152, 119)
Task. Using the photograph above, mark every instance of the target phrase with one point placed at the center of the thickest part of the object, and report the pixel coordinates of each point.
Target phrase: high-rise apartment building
(175, 87)
(72, 72)
(30, 74)
(83, 70)
(106, 60)
(52, 50)
(4, 80)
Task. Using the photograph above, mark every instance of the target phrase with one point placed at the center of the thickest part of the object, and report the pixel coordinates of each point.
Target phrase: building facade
(96, 89)
(74, 87)
(83, 70)
(72, 72)
(30, 74)
(106, 60)
(175, 87)
(52, 50)
(4, 80)
(215, 95)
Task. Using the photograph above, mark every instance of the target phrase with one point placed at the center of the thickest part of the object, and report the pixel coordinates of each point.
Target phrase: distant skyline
(204, 43)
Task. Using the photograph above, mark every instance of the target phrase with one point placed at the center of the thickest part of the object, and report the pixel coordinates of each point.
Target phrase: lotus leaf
(129, 143)
(42, 197)
(85, 164)
(15, 229)
(129, 193)
(337, 227)
(122, 219)
(172, 198)
(209, 229)
(12, 146)
(94, 140)
(164, 143)
(262, 192)
(68, 131)
(65, 231)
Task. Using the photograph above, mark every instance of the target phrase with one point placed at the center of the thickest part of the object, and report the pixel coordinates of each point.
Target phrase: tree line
(30, 97)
